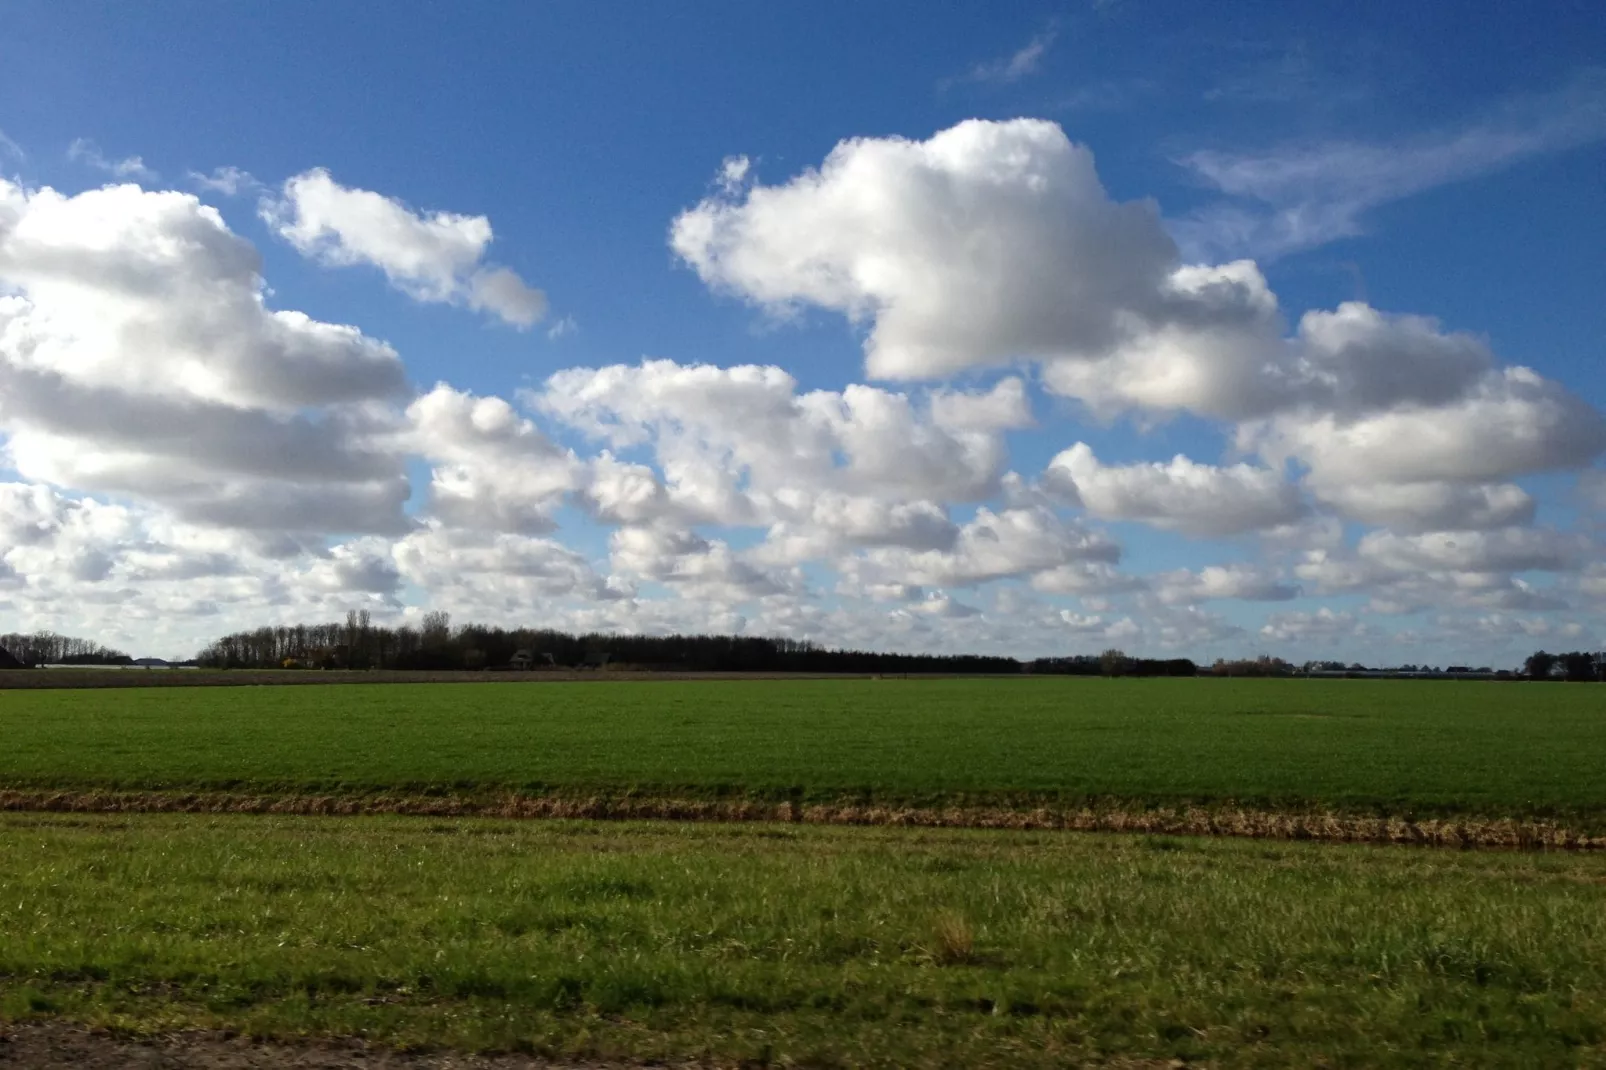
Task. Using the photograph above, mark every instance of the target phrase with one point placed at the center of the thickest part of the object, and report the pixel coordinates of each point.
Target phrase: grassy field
(817, 946)
(1394, 747)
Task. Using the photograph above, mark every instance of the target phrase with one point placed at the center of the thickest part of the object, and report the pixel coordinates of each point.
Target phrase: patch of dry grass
(1227, 821)
(953, 942)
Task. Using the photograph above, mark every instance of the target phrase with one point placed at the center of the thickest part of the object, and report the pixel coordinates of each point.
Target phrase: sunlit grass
(824, 946)
(1366, 746)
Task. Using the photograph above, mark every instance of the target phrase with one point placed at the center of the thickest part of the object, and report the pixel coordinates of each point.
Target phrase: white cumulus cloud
(1181, 495)
(138, 357)
(438, 256)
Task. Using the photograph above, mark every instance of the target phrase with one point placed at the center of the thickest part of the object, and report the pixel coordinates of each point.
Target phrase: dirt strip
(1182, 821)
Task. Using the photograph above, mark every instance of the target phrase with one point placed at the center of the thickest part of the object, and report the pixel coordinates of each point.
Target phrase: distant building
(523, 660)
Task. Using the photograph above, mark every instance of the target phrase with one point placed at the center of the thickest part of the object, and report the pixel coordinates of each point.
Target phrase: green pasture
(1423, 748)
(805, 945)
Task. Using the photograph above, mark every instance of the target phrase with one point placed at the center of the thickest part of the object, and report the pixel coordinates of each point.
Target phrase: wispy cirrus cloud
(1295, 197)
(85, 151)
(229, 181)
(1015, 66)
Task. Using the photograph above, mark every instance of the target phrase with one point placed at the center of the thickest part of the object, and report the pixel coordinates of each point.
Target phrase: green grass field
(798, 944)
(804, 945)
(1393, 747)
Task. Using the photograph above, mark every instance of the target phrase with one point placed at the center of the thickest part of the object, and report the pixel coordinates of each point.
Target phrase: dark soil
(59, 1046)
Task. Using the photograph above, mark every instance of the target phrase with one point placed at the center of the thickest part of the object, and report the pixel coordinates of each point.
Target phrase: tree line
(1111, 663)
(48, 648)
(435, 644)
(1578, 666)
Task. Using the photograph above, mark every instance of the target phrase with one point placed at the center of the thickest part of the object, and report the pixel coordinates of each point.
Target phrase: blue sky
(1421, 161)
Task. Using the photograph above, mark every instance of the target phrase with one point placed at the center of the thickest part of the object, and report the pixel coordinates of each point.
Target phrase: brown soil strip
(1183, 821)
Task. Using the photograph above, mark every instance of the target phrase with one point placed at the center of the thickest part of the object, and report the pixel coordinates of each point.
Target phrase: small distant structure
(532, 659)
(596, 659)
(152, 663)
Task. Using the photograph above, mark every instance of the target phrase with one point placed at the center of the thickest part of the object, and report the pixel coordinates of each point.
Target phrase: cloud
(1509, 423)
(993, 243)
(562, 328)
(1251, 583)
(705, 570)
(9, 148)
(1086, 579)
(827, 525)
(1592, 489)
(229, 181)
(437, 257)
(1218, 353)
(744, 445)
(193, 460)
(1440, 506)
(499, 574)
(137, 357)
(1296, 197)
(1017, 65)
(1502, 626)
(992, 546)
(363, 566)
(138, 578)
(1325, 625)
(987, 243)
(87, 152)
(939, 604)
(1410, 577)
(1003, 408)
(1504, 550)
(494, 470)
(1181, 628)
(1181, 495)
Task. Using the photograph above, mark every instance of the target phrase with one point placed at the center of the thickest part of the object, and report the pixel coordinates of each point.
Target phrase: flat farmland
(786, 945)
(1416, 749)
(781, 942)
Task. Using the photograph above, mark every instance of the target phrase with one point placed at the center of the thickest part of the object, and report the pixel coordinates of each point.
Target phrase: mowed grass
(805, 945)
(1390, 747)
